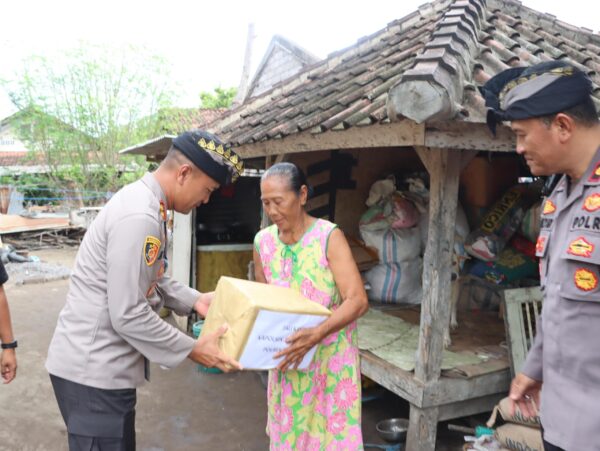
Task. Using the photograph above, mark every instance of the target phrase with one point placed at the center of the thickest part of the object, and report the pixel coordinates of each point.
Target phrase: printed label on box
(268, 336)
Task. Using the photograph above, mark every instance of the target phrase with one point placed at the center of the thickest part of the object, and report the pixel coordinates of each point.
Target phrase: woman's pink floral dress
(318, 409)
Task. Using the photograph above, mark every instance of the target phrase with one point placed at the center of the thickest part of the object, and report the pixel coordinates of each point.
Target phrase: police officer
(8, 359)
(556, 124)
(108, 329)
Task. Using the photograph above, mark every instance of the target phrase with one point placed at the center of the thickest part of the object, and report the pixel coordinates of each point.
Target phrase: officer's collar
(150, 181)
(592, 175)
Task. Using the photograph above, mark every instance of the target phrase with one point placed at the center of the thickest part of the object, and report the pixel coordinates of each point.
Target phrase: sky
(204, 41)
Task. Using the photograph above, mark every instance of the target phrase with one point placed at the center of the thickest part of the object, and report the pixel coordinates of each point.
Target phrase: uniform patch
(151, 248)
(540, 245)
(549, 207)
(581, 248)
(592, 202)
(163, 211)
(595, 175)
(585, 279)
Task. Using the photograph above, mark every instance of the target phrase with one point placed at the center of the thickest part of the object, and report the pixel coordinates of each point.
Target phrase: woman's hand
(299, 344)
(203, 303)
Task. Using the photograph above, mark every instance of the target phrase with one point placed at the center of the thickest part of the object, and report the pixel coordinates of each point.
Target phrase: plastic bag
(396, 282)
(500, 224)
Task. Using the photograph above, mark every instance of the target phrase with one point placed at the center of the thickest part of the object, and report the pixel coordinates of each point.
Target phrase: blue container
(196, 329)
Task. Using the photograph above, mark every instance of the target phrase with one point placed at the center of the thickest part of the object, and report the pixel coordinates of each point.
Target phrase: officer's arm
(177, 296)
(129, 279)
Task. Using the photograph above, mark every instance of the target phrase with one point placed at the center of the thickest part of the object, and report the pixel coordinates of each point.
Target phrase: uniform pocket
(579, 272)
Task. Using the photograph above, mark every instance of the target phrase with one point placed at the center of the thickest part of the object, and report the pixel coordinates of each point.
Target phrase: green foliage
(79, 108)
(220, 98)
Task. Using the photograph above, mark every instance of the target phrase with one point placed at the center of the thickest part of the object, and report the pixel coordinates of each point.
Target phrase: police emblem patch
(151, 248)
(163, 211)
(549, 207)
(581, 247)
(540, 245)
(585, 279)
(595, 175)
(592, 202)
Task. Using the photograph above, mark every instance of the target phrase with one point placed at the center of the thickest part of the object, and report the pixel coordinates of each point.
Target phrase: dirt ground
(181, 409)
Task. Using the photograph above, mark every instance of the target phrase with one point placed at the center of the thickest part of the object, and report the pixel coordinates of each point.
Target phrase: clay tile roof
(19, 159)
(177, 120)
(447, 46)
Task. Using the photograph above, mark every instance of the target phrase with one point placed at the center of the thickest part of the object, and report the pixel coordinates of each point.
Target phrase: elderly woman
(317, 409)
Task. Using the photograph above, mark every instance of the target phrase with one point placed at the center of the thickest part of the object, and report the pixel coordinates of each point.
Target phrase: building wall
(372, 164)
(9, 141)
(281, 65)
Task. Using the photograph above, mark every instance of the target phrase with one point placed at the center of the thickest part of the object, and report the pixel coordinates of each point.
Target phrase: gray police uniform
(565, 354)
(109, 325)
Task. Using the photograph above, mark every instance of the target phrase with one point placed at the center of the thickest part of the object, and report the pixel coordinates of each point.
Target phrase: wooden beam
(422, 429)
(469, 407)
(270, 160)
(399, 382)
(469, 135)
(444, 170)
(451, 390)
(396, 134)
(424, 154)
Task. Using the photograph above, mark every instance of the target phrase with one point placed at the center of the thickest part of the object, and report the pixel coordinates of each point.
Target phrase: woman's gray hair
(292, 174)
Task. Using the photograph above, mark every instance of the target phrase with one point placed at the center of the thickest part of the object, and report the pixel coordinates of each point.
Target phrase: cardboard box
(260, 318)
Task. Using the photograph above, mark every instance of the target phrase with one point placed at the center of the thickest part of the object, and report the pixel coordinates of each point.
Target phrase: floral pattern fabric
(318, 409)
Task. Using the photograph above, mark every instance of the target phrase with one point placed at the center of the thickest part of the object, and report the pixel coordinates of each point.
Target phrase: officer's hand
(203, 303)
(207, 352)
(8, 365)
(525, 393)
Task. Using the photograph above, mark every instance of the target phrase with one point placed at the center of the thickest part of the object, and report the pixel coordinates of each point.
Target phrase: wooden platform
(461, 391)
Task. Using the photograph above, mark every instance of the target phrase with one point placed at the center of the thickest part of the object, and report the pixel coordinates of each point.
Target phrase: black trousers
(96, 419)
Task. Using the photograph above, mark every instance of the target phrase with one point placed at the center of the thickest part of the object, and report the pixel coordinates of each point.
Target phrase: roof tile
(351, 86)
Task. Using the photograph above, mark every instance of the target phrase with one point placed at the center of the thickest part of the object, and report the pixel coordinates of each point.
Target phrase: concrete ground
(181, 409)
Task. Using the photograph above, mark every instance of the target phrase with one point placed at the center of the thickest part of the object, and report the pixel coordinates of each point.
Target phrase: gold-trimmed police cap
(211, 155)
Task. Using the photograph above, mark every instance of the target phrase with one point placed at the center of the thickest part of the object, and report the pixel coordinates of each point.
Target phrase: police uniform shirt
(565, 353)
(3, 274)
(109, 322)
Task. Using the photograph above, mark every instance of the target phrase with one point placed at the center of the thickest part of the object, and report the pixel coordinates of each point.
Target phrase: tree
(81, 107)
(221, 98)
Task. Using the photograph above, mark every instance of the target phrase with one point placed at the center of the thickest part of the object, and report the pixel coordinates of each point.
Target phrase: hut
(406, 97)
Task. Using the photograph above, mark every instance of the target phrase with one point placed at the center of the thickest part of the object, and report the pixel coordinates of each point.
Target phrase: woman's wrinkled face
(281, 204)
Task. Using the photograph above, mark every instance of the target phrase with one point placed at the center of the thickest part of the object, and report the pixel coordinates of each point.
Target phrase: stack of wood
(48, 239)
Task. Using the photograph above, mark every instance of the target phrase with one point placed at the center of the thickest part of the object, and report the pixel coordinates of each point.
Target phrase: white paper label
(268, 336)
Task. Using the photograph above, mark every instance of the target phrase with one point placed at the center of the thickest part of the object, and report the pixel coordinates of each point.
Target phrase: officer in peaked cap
(109, 328)
(551, 111)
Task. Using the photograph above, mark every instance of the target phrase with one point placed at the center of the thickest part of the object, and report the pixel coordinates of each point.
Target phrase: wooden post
(422, 428)
(183, 255)
(444, 167)
(270, 160)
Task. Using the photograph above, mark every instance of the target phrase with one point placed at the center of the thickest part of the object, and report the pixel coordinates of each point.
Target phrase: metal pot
(393, 430)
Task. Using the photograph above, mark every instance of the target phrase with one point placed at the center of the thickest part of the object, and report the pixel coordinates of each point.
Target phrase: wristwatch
(11, 345)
